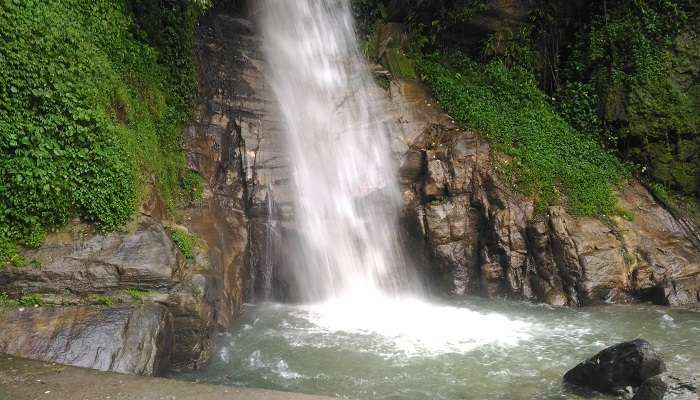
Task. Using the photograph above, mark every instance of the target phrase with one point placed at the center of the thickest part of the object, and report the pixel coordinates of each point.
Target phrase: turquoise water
(473, 349)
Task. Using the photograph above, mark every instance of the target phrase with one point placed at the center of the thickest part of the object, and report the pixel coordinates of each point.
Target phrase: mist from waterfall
(338, 138)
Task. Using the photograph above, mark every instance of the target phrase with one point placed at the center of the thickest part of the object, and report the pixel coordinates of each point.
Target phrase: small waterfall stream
(338, 139)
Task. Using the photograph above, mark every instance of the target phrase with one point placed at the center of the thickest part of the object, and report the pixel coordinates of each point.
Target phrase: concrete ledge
(22, 379)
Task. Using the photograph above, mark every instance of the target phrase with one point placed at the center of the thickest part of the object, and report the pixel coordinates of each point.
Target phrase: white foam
(416, 327)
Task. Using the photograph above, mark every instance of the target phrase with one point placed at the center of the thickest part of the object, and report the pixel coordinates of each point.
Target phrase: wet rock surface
(485, 238)
(666, 387)
(236, 145)
(77, 269)
(616, 368)
(126, 339)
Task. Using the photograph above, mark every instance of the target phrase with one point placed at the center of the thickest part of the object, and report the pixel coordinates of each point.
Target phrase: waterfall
(337, 133)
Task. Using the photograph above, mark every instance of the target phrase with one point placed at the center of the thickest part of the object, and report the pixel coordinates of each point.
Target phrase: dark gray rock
(133, 340)
(614, 369)
(666, 387)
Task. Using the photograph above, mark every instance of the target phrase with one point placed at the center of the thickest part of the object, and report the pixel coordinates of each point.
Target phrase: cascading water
(338, 132)
(338, 137)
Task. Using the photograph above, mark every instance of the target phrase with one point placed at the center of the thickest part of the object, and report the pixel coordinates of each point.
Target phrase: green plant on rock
(136, 294)
(104, 300)
(89, 113)
(192, 186)
(32, 300)
(625, 60)
(6, 301)
(184, 241)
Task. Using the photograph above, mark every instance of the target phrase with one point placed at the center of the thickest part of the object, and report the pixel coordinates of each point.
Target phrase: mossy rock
(399, 64)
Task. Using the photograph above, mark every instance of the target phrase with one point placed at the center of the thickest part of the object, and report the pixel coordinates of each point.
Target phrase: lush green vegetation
(91, 110)
(549, 157)
(184, 241)
(621, 75)
(627, 80)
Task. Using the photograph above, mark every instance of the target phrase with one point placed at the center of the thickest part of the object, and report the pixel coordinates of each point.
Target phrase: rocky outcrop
(485, 238)
(120, 271)
(616, 368)
(82, 263)
(235, 145)
(133, 340)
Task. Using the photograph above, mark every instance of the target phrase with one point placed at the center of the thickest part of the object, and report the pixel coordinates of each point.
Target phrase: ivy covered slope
(579, 93)
(550, 157)
(91, 107)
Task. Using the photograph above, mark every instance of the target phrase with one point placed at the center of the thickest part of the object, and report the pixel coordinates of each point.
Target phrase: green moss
(550, 157)
(184, 241)
(136, 294)
(399, 64)
(192, 187)
(104, 300)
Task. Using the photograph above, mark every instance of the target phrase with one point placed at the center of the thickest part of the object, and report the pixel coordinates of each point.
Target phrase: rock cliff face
(235, 144)
(484, 238)
(94, 288)
(480, 235)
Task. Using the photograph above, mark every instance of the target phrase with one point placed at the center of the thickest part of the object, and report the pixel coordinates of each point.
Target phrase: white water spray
(338, 137)
(347, 197)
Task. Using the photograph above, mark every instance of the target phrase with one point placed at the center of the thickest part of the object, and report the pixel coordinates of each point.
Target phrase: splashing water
(338, 137)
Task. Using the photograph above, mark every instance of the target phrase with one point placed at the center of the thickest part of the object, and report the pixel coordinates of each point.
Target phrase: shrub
(89, 113)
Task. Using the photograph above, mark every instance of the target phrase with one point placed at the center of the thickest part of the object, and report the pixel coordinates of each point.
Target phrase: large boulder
(614, 369)
(133, 340)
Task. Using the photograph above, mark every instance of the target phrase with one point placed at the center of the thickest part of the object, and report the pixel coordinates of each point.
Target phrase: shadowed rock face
(235, 143)
(484, 238)
(133, 340)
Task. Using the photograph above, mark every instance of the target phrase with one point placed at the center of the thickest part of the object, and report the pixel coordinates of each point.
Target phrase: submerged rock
(666, 387)
(618, 367)
(133, 340)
